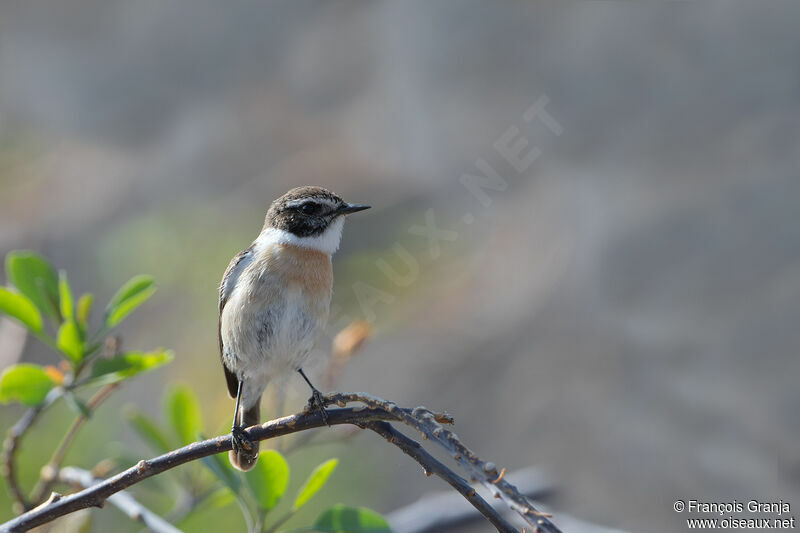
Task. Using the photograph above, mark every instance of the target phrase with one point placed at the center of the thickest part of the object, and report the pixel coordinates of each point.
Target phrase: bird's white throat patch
(327, 242)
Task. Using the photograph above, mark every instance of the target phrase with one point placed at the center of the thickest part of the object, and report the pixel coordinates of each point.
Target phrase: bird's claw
(240, 442)
(317, 403)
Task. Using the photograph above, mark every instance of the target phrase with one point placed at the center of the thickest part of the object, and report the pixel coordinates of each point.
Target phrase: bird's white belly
(269, 339)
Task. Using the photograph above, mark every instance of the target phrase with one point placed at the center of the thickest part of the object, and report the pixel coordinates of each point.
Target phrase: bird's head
(310, 216)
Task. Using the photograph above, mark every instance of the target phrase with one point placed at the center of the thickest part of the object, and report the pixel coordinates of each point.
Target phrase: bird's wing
(229, 280)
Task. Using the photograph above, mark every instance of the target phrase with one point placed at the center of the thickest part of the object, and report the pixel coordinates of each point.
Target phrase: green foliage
(183, 413)
(41, 293)
(65, 296)
(36, 279)
(127, 365)
(259, 491)
(315, 482)
(84, 309)
(341, 519)
(69, 341)
(130, 296)
(25, 383)
(266, 484)
(18, 306)
(269, 479)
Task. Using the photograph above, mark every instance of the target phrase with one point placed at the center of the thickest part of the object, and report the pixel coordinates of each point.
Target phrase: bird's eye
(309, 208)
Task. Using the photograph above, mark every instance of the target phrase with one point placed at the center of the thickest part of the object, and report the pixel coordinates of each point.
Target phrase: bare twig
(11, 445)
(50, 470)
(433, 466)
(121, 500)
(446, 510)
(370, 415)
(430, 425)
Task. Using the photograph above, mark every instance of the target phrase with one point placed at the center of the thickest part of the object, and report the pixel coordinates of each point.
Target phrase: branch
(445, 510)
(121, 500)
(372, 416)
(430, 425)
(11, 444)
(433, 466)
(50, 470)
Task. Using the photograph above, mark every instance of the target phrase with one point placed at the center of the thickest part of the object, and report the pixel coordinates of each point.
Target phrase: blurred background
(617, 305)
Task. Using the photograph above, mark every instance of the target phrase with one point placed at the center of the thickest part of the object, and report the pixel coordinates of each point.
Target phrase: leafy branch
(42, 301)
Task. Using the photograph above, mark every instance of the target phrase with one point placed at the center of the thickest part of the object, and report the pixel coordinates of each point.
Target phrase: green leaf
(341, 519)
(36, 279)
(127, 365)
(25, 383)
(18, 306)
(183, 412)
(84, 307)
(268, 479)
(315, 482)
(69, 341)
(148, 430)
(65, 295)
(221, 468)
(129, 297)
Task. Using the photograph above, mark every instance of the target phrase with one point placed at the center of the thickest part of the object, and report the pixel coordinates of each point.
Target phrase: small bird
(274, 300)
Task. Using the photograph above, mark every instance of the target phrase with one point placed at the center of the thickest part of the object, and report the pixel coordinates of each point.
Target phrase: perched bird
(273, 301)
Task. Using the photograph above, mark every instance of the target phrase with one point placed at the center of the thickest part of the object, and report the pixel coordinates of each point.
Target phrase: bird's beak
(346, 209)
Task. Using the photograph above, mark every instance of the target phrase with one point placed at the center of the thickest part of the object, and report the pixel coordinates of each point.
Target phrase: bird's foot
(317, 403)
(240, 442)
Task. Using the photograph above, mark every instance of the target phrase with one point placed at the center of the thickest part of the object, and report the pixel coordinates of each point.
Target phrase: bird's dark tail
(246, 460)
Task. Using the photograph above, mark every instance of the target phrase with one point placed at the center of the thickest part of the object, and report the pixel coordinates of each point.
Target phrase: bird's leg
(316, 401)
(239, 441)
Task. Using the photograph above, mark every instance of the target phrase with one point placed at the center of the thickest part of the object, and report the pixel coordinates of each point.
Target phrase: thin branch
(430, 425)
(11, 445)
(50, 470)
(446, 510)
(433, 466)
(121, 500)
(374, 410)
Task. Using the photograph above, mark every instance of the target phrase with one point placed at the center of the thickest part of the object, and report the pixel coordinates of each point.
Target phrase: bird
(274, 300)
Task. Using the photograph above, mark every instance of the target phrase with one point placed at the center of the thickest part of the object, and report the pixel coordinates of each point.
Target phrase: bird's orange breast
(295, 266)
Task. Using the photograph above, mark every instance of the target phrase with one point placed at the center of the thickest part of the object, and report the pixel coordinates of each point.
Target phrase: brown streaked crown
(304, 211)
